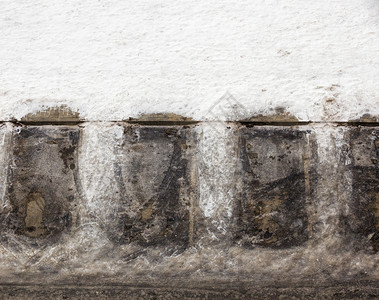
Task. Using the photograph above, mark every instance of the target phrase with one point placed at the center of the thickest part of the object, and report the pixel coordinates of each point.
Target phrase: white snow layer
(111, 60)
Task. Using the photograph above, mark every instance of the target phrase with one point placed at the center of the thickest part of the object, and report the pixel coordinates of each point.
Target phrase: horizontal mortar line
(162, 123)
(112, 286)
(205, 286)
(302, 123)
(213, 288)
(192, 122)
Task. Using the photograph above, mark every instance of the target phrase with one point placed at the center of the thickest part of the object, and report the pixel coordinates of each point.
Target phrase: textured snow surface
(111, 60)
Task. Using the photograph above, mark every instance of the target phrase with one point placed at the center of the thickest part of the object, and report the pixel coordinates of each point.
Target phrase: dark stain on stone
(53, 116)
(35, 208)
(279, 118)
(41, 181)
(367, 119)
(67, 155)
(181, 288)
(272, 210)
(151, 178)
(363, 221)
(162, 119)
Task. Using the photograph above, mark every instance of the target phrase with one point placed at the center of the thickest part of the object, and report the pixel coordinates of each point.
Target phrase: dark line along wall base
(213, 290)
(120, 194)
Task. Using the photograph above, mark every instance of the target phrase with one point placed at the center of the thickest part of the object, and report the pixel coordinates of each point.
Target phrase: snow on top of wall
(111, 60)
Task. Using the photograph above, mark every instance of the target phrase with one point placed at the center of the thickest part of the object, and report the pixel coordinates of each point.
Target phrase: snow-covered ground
(111, 60)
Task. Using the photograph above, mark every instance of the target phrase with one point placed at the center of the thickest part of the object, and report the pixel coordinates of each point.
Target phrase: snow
(111, 60)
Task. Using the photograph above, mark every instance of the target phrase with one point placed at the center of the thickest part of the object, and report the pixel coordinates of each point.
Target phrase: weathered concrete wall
(127, 202)
(184, 149)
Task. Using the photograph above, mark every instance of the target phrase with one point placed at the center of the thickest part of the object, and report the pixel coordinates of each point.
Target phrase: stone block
(152, 171)
(42, 181)
(276, 181)
(362, 160)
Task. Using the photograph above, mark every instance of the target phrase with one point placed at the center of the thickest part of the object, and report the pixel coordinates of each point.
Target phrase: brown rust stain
(35, 208)
(53, 115)
(263, 211)
(147, 212)
(280, 116)
(162, 118)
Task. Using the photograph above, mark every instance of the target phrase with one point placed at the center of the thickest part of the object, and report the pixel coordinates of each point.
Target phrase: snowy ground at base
(111, 60)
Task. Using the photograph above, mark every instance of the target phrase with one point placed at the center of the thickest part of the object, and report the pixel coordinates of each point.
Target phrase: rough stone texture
(42, 182)
(153, 177)
(180, 211)
(205, 290)
(276, 186)
(361, 154)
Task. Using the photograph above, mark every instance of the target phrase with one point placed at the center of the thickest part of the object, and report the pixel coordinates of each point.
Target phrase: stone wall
(189, 149)
(164, 200)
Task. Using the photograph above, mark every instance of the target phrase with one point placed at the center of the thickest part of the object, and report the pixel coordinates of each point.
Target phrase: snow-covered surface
(111, 60)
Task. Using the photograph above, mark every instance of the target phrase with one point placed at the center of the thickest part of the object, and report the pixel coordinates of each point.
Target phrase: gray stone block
(277, 180)
(361, 155)
(42, 182)
(153, 179)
